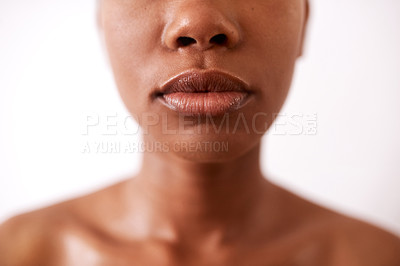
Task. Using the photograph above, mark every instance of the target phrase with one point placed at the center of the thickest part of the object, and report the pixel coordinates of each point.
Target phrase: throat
(215, 201)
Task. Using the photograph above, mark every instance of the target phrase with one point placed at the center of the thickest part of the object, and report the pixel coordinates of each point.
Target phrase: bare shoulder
(346, 240)
(35, 238)
(364, 243)
(26, 238)
(356, 242)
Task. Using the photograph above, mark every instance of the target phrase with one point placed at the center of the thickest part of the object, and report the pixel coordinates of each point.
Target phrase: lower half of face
(154, 44)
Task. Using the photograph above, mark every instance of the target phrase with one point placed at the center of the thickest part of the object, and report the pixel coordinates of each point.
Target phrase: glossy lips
(204, 93)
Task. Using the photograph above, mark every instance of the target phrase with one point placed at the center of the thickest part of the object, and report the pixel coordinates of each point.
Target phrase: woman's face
(255, 41)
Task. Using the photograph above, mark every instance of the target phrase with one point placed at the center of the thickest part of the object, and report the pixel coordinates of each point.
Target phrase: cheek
(272, 32)
(132, 37)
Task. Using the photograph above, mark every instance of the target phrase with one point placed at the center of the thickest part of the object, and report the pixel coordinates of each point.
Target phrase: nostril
(219, 39)
(185, 41)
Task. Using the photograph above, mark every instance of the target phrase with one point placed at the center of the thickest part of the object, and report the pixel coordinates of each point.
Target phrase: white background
(53, 74)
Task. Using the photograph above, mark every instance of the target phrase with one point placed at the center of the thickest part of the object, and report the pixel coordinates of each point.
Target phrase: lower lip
(205, 103)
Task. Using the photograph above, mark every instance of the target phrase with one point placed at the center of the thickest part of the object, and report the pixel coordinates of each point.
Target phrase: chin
(216, 148)
(204, 141)
(208, 158)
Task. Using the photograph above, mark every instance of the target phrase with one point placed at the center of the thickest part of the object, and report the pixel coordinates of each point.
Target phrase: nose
(200, 25)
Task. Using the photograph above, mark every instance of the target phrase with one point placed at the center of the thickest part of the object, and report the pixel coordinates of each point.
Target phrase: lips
(204, 93)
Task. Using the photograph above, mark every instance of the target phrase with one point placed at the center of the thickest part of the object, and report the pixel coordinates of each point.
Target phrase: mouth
(204, 93)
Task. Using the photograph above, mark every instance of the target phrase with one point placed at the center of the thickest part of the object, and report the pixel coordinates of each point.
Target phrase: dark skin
(203, 207)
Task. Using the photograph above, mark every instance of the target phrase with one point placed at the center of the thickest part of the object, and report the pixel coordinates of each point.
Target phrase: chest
(95, 253)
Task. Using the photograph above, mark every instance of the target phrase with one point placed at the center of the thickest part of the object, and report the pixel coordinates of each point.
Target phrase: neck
(202, 197)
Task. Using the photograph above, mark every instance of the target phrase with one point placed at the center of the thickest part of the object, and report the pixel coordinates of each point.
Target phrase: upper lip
(195, 81)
